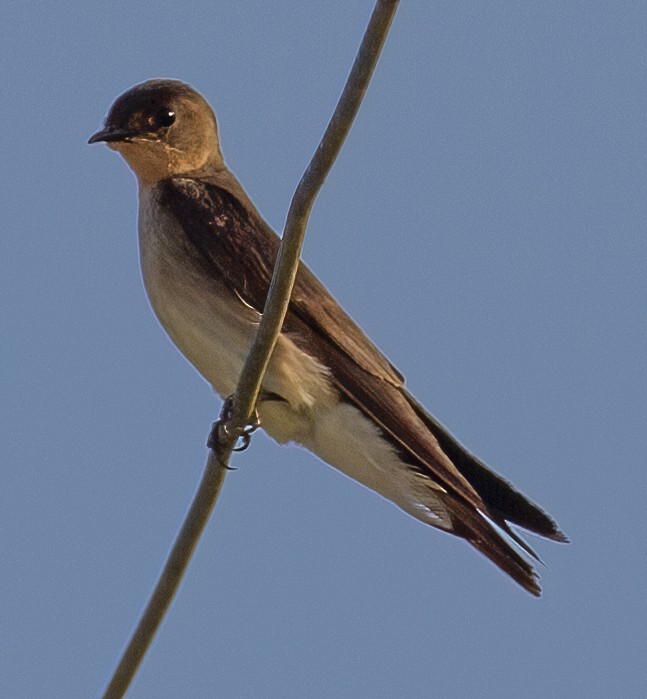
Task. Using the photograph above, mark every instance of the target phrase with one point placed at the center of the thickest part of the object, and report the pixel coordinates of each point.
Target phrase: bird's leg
(220, 432)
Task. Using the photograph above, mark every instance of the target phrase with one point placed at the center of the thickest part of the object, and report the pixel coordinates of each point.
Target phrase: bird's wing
(232, 243)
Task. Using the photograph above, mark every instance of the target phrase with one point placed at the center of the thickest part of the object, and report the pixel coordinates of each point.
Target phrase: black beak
(110, 136)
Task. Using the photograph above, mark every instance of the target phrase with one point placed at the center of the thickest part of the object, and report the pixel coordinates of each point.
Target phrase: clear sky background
(485, 224)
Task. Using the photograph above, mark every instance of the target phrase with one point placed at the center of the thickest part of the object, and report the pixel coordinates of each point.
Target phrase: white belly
(214, 330)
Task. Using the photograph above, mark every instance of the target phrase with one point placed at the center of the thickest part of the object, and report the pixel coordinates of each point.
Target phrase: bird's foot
(220, 431)
(249, 429)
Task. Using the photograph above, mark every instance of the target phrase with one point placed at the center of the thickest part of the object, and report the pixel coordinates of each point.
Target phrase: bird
(207, 258)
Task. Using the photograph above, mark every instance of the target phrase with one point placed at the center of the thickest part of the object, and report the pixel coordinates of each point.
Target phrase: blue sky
(485, 224)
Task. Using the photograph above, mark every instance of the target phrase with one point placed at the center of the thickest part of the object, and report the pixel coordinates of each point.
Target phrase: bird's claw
(220, 431)
(248, 431)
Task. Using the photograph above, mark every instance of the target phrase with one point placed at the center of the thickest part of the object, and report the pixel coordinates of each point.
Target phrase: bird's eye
(163, 119)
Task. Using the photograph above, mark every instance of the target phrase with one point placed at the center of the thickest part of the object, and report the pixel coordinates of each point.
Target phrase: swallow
(207, 258)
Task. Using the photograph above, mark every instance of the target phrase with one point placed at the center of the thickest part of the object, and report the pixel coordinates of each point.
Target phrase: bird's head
(162, 128)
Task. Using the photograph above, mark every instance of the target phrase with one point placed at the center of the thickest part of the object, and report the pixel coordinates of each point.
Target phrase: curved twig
(266, 337)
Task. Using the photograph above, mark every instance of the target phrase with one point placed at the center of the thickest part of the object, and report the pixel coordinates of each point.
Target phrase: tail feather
(473, 526)
(523, 545)
(504, 502)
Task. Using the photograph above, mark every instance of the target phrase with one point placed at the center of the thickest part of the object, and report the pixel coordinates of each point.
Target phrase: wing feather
(227, 238)
(241, 249)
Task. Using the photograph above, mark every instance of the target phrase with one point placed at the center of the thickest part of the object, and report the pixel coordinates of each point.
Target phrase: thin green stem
(285, 270)
(171, 576)
(249, 384)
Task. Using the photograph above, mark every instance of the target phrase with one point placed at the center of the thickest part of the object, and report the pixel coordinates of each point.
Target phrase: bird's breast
(214, 329)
